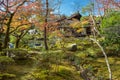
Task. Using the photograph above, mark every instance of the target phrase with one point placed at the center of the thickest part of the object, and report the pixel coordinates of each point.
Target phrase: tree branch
(106, 58)
(18, 27)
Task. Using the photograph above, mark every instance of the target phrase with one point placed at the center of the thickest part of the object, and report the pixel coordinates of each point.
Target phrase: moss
(5, 62)
(7, 76)
(19, 54)
(65, 74)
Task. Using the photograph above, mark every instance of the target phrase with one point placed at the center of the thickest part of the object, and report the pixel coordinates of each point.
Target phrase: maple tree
(17, 14)
(47, 23)
(9, 8)
(23, 21)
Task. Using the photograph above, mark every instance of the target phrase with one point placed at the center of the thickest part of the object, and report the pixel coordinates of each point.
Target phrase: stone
(73, 47)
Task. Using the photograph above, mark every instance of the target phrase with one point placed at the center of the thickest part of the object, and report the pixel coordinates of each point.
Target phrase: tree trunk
(0, 46)
(106, 58)
(17, 43)
(6, 40)
(45, 30)
(45, 38)
(7, 34)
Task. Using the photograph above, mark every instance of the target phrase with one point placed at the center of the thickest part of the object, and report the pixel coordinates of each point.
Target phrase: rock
(73, 47)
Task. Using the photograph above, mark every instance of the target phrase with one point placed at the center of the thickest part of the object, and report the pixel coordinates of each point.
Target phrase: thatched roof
(76, 16)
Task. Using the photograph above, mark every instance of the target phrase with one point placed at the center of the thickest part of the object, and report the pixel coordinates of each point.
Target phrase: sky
(69, 7)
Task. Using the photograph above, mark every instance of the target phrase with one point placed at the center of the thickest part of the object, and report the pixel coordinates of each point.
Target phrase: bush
(110, 29)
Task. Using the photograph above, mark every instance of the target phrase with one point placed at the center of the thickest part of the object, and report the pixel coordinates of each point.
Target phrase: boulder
(73, 47)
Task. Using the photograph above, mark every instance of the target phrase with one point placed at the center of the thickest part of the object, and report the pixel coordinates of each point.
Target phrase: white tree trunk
(106, 58)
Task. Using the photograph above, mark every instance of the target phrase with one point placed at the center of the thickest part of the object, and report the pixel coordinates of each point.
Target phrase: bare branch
(18, 27)
(106, 58)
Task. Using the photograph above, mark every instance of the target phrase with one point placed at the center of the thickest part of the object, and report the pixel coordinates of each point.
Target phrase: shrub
(110, 29)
